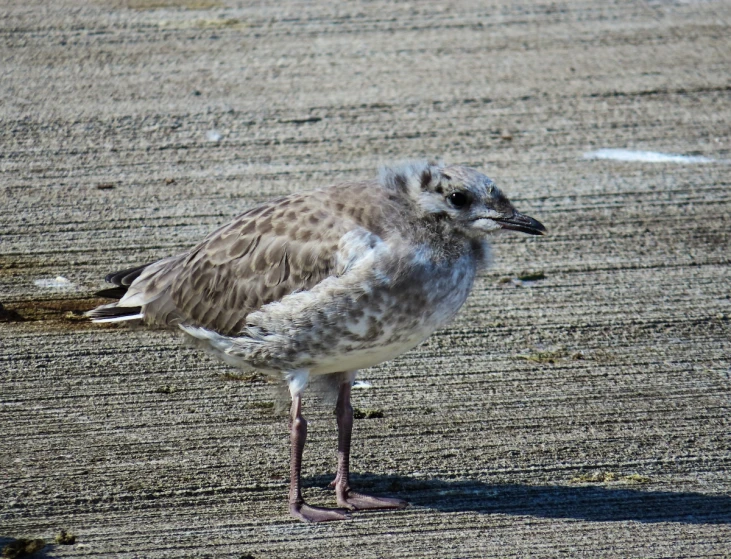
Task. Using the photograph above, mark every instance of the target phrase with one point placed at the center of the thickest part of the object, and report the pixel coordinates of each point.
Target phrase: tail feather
(113, 313)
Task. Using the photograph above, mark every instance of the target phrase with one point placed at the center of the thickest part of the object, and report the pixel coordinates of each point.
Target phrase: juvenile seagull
(328, 282)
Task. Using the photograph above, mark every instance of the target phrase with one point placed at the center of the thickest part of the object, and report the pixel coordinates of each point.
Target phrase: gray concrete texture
(580, 413)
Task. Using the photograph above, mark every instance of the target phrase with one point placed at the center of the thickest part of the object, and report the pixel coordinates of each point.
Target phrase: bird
(324, 283)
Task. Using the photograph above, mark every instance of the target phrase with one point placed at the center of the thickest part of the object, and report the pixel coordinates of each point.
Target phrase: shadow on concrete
(581, 502)
(13, 548)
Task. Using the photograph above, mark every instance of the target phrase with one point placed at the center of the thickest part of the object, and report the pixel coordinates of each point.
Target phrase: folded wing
(287, 245)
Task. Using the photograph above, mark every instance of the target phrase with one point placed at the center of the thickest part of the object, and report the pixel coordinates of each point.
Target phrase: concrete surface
(584, 414)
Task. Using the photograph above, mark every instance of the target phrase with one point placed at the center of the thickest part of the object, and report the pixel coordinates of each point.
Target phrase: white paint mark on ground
(214, 136)
(362, 385)
(645, 156)
(59, 282)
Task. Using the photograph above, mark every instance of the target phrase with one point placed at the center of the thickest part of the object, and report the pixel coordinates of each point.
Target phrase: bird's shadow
(583, 502)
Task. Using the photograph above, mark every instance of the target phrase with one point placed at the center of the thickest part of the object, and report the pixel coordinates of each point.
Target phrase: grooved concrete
(583, 414)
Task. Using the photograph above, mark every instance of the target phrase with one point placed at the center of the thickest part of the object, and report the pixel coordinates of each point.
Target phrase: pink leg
(297, 506)
(346, 497)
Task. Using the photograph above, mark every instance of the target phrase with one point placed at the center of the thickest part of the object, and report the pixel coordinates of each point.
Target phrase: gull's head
(464, 197)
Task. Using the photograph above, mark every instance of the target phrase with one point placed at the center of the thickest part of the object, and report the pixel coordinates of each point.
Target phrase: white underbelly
(398, 335)
(356, 359)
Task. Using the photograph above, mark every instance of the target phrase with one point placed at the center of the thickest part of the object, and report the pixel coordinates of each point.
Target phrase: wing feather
(283, 246)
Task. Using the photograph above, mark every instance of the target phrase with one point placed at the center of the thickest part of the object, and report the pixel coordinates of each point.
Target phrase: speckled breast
(383, 322)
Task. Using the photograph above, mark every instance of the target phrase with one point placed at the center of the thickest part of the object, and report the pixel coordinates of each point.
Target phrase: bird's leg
(297, 506)
(347, 497)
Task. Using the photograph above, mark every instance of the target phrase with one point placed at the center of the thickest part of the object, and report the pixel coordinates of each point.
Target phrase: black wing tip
(124, 278)
(112, 293)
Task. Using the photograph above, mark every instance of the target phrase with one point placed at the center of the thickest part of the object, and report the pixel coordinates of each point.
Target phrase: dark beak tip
(524, 224)
(537, 232)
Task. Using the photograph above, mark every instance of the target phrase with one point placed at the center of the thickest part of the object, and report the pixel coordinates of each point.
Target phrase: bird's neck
(447, 245)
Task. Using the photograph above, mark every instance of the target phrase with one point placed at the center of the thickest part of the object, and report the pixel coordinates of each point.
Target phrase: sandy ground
(584, 414)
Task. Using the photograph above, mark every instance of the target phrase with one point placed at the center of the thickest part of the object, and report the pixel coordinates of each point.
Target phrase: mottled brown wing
(283, 246)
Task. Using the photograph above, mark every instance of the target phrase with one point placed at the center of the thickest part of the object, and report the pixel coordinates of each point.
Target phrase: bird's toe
(308, 513)
(360, 501)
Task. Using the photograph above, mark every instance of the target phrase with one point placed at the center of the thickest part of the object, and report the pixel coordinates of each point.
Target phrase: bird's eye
(459, 199)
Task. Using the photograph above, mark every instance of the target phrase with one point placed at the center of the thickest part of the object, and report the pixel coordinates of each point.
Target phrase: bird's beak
(522, 223)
